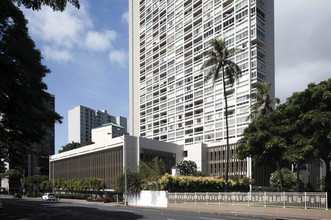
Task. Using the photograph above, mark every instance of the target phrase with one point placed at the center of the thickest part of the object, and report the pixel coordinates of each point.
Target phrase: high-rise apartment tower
(81, 120)
(169, 100)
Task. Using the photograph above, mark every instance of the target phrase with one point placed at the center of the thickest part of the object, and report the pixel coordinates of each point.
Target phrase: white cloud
(97, 41)
(125, 17)
(57, 55)
(65, 33)
(118, 56)
(65, 29)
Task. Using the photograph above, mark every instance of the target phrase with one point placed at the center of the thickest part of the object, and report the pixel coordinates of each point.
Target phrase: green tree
(262, 103)
(309, 113)
(34, 180)
(119, 183)
(24, 116)
(10, 173)
(74, 145)
(290, 180)
(150, 172)
(186, 167)
(264, 141)
(56, 5)
(46, 185)
(145, 177)
(219, 65)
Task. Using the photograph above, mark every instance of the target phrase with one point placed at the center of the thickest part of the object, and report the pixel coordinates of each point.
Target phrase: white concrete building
(81, 120)
(110, 154)
(169, 100)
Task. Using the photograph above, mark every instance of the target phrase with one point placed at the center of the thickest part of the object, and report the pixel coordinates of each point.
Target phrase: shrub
(289, 180)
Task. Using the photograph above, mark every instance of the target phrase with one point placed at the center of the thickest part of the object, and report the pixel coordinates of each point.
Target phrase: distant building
(38, 164)
(81, 120)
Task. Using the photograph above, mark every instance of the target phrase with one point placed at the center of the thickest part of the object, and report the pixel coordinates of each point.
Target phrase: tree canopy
(24, 115)
(56, 5)
(299, 130)
(308, 115)
(74, 145)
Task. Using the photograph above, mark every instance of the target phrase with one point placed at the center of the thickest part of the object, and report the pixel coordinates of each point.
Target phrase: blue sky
(87, 52)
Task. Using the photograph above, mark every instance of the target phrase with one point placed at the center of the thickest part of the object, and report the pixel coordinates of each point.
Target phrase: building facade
(109, 154)
(169, 100)
(81, 120)
(38, 163)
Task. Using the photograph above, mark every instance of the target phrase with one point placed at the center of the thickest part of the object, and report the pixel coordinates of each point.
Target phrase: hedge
(203, 184)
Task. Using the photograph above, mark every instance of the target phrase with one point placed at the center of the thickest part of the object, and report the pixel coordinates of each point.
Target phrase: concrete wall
(148, 198)
(198, 154)
(102, 136)
(131, 152)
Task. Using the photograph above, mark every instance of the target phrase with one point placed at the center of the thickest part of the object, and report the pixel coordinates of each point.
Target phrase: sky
(87, 51)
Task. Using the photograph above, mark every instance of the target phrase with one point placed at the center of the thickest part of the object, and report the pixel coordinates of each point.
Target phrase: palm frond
(212, 73)
(262, 104)
(210, 62)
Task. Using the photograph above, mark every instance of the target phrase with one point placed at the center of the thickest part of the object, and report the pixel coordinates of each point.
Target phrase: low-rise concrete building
(110, 153)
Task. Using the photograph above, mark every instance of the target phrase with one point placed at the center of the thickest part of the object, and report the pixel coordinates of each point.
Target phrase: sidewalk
(249, 211)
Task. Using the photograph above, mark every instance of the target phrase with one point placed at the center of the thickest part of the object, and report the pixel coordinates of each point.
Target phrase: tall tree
(264, 141)
(23, 113)
(262, 103)
(219, 65)
(310, 114)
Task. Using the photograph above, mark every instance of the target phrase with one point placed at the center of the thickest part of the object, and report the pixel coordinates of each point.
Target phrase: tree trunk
(327, 179)
(280, 176)
(227, 133)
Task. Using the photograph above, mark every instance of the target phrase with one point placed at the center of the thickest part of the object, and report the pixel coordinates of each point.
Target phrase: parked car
(49, 197)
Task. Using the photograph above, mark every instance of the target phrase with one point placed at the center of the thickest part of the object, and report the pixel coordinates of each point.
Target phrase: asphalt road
(26, 209)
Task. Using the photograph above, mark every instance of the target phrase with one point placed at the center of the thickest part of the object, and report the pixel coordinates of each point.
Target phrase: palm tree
(220, 63)
(263, 106)
(263, 103)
